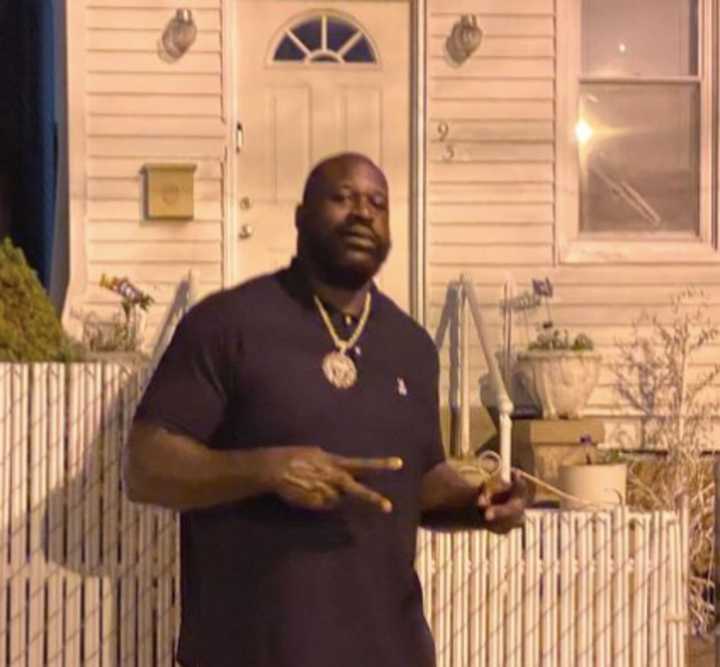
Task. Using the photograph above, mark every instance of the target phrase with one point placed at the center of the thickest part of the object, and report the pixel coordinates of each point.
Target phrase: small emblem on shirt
(401, 387)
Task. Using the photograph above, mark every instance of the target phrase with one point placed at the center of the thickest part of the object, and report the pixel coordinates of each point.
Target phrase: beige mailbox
(169, 192)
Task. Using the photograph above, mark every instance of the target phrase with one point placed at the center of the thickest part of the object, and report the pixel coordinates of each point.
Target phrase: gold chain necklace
(340, 369)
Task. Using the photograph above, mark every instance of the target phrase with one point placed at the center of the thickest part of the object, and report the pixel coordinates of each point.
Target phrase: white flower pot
(559, 381)
(600, 484)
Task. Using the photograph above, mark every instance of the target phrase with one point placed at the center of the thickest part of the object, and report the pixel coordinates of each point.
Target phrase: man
(294, 422)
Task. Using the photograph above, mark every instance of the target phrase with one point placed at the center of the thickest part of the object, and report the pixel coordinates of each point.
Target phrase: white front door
(314, 80)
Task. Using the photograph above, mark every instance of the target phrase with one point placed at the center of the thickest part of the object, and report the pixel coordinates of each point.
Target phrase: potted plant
(120, 338)
(599, 481)
(558, 372)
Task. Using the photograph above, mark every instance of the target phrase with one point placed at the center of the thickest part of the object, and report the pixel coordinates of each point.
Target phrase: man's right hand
(312, 478)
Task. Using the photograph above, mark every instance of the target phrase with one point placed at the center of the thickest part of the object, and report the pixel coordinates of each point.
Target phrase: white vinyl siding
(490, 151)
(141, 109)
(493, 164)
(491, 183)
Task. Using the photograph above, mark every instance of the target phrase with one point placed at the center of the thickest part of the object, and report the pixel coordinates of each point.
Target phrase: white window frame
(574, 247)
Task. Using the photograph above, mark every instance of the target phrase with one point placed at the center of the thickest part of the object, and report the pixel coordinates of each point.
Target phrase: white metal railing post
(185, 296)
(456, 370)
(504, 404)
(459, 295)
(192, 290)
(465, 447)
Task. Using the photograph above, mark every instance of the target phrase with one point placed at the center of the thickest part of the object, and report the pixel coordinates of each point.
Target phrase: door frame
(418, 119)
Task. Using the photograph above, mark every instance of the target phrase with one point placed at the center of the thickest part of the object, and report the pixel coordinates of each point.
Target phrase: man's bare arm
(175, 471)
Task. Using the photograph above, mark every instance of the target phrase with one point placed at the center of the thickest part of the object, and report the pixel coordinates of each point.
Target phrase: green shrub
(30, 329)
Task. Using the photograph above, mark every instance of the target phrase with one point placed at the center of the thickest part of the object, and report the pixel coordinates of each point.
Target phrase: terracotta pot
(559, 381)
(601, 484)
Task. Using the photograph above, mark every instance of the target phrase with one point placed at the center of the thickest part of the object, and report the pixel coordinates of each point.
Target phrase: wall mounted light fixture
(179, 34)
(464, 39)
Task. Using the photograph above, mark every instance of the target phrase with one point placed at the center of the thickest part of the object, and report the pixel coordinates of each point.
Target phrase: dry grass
(654, 378)
(654, 484)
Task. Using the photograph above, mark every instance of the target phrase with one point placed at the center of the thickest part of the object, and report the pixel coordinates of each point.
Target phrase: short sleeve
(435, 452)
(189, 390)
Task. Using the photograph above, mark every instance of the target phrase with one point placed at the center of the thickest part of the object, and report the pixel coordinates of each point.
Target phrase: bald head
(343, 220)
(333, 167)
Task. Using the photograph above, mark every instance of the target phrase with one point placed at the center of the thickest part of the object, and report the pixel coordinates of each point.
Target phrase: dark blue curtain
(28, 131)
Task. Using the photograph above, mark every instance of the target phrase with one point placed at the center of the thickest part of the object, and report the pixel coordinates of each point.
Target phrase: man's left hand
(451, 502)
(504, 503)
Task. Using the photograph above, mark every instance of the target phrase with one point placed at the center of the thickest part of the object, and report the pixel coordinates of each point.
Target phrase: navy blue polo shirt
(265, 584)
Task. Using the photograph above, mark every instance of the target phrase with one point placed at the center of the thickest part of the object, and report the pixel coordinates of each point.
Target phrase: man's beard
(332, 269)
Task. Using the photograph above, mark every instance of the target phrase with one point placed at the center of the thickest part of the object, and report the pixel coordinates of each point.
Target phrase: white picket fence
(572, 589)
(88, 579)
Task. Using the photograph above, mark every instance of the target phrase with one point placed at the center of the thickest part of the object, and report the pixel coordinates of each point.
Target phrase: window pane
(361, 52)
(288, 50)
(639, 37)
(309, 33)
(338, 32)
(639, 168)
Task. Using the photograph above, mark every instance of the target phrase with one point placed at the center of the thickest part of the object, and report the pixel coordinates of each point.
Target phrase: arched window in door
(324, 38)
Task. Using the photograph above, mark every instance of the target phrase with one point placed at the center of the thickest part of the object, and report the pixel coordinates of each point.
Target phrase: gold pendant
(339, 369)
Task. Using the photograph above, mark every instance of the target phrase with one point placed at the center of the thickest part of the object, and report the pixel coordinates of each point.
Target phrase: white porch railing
(454, 318)
(185, 297)
(89, 579)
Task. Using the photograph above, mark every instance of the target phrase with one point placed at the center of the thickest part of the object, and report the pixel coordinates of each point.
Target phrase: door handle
(245, 204)
(246, 232)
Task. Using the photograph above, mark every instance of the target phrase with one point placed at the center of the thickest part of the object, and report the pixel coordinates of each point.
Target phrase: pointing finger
(355, 465)
(362, 492)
